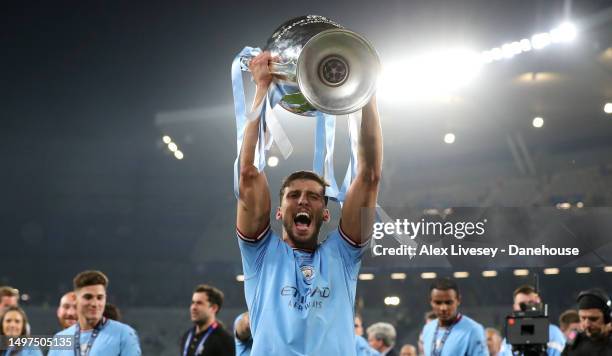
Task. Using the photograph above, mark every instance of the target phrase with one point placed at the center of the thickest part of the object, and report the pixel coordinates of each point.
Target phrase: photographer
(525, 298)
(596, 339)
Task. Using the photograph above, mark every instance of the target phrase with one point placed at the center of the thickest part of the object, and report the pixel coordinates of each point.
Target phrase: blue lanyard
(434, 350)
(94, 335)
(200, 347)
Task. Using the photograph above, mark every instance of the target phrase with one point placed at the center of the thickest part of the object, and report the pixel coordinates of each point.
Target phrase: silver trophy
(320, 65)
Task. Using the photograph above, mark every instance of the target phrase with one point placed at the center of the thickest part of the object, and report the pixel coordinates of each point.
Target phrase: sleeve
(556, 341)
(130, 345)
(350, 253)
(253, 250)
(478, 344)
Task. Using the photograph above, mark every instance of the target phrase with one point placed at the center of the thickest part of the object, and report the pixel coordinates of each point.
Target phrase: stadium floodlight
(566, 32)
(178, 154)
(608, 108)
(461, 274)
(240, 278)
(272, 161)
(579, 205)
(449, 138)
(172, 146)
(428, 275)
(521, 272)
(366, 276)
(537, 122)
(550, 271)
(564, 206)
(608, 269)
(540, 40)
(489, 274)
(583, 270)
(166, 139)
(392, 300)
(398, 276)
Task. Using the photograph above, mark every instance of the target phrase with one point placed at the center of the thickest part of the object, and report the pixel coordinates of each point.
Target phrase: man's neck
(202, 327)
(449, 322)
(310, 245)
(88, 324)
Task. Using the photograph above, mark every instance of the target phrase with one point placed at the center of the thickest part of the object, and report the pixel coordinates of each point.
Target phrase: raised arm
(364, 190)
(253, 211)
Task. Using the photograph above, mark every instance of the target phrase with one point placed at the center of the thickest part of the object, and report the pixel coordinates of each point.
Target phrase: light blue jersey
(363, 348)
(23, 352)
(555, 346)
(300, 302)
(114, 339)
(243, 348)
(466, 338)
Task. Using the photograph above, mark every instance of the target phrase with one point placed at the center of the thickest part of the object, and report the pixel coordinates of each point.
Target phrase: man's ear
(279, 214)
(326, 215)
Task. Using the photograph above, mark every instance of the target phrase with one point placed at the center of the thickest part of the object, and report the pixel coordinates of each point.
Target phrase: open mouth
(302, 221)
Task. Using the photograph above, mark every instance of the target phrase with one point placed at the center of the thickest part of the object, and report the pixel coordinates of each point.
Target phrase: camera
(527, 330)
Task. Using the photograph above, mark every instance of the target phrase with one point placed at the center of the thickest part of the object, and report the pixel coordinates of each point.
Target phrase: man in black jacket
(208, 337)
(595, 311)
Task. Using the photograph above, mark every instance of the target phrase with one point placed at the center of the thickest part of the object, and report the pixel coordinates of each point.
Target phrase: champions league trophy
(320, 69)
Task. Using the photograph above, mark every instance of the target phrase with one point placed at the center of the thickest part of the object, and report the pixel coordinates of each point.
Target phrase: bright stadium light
(608, 108)
(449, 138)
(166, 139)
(579, 205)
(366, 276)
(273, 161)
(178, 154)
(583, 270)
(398, 276)
(537, 122)
(489, 274)
(608, 269)
(521, 272)
(551, 271)
(240, 278)
(525, 45)
(430, 76)
(461, 274)
(172, 146)
(540, 40)
(428, 275)
(566, 32)
(392, 300)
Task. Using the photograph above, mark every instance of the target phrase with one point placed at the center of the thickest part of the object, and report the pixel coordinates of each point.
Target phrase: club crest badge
(308, 272)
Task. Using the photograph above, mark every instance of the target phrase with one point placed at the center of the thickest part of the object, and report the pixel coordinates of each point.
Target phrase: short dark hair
(444, 283)
(310, 175)
(524, 289)
(215, 296)
(568, 317)
(6, 291)
(24, 328)
(89, 278)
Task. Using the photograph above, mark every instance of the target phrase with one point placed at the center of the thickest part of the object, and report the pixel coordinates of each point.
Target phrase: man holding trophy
(301, 293)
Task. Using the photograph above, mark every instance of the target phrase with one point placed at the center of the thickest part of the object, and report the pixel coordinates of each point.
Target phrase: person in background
(13, 323)
(494, 341)
(452, 333)
(526, 297)
(243, 339)
(9, 297)
(595, 311)
(111, 311)
(408, 350)
(569, 323)
(362, 347)
(66, 311)
(381, 336)
(207, 337)
(95, 335)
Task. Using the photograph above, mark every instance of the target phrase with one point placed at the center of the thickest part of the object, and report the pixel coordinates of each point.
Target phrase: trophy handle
(283, 70)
